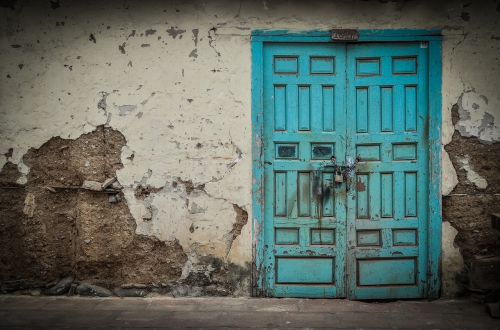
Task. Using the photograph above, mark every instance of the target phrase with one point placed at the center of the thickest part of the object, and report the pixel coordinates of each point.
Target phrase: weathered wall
(170, 81)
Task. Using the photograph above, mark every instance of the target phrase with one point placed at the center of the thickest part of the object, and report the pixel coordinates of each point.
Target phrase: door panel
(387, 199)
(365, 238)
(304, 124)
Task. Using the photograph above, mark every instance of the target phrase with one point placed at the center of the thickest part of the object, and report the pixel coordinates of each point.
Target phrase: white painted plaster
(476, 117)
(452, 262)
(472, 176)
(449, 175)
(165, 102)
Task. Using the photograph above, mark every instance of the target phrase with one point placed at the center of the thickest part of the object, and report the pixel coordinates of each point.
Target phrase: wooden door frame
(433, 39)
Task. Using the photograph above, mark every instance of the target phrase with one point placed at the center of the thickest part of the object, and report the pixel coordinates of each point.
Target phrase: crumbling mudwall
(469, 207)
(52, 227)
(162, 89)
(59, 225)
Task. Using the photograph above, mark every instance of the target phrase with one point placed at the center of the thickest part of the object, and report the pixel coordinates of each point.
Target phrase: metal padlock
(339, 178)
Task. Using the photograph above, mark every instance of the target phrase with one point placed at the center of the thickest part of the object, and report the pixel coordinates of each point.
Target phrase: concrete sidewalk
(24, 312)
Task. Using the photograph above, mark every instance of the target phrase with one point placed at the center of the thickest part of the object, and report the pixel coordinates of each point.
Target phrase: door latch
(339, 178)
(342, 172)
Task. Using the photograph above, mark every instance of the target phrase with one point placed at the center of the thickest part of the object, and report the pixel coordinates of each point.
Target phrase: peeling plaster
(472, 175)
(453, 263)
(45, 99)
(449, 175)
(476, 118)
(174, 32)
(126, 109)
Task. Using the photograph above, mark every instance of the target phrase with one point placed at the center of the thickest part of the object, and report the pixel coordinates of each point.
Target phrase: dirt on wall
(55, 226)
(483, 157)
(51, 227)
(469, 207)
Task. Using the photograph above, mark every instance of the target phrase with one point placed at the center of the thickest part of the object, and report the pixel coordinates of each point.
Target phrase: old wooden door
(387, 200)
(304, 93)
(356, 229)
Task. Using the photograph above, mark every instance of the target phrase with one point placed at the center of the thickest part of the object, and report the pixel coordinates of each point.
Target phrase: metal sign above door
(344, 35)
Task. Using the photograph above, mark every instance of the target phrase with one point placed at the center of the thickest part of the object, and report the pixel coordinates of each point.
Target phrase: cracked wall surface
(468, 208)
(51, 227)
(173, 78)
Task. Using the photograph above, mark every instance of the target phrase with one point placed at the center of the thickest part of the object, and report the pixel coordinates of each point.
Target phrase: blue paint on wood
(404, 151)
(304, 108)
(287, 151)
(404, 65)
(399, 112)
(387, 103)
(286, 236)
(368, 238)
(411, 187)
(403, 237)
(328, 197)
(328, 108)
(323, 236)
(362, 109)
(362, 196)
(387, 188)
(285, 64)
(434, 193)
(280, 108)
(387, 272)
(364, 35)
(410, 108)
(368, 152)
(280, 192)
(304, 187)
(391, 185)
(322, 151)
(258, 243)
(291, 270)
(367, 66)
(322, 65)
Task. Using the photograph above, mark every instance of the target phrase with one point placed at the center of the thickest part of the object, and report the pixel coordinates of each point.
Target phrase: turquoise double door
(354, 225)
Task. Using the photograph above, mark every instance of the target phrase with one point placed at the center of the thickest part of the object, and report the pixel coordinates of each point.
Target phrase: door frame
(433, 39)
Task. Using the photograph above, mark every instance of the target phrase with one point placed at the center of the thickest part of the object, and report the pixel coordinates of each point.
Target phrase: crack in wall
(212, 34)
(241, 220)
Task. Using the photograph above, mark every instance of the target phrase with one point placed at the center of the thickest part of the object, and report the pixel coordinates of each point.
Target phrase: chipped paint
(449, 175)
(112, 75)
(476, 117)
(453, 262)
(472, 175)
(360, 186)
(174, 32)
